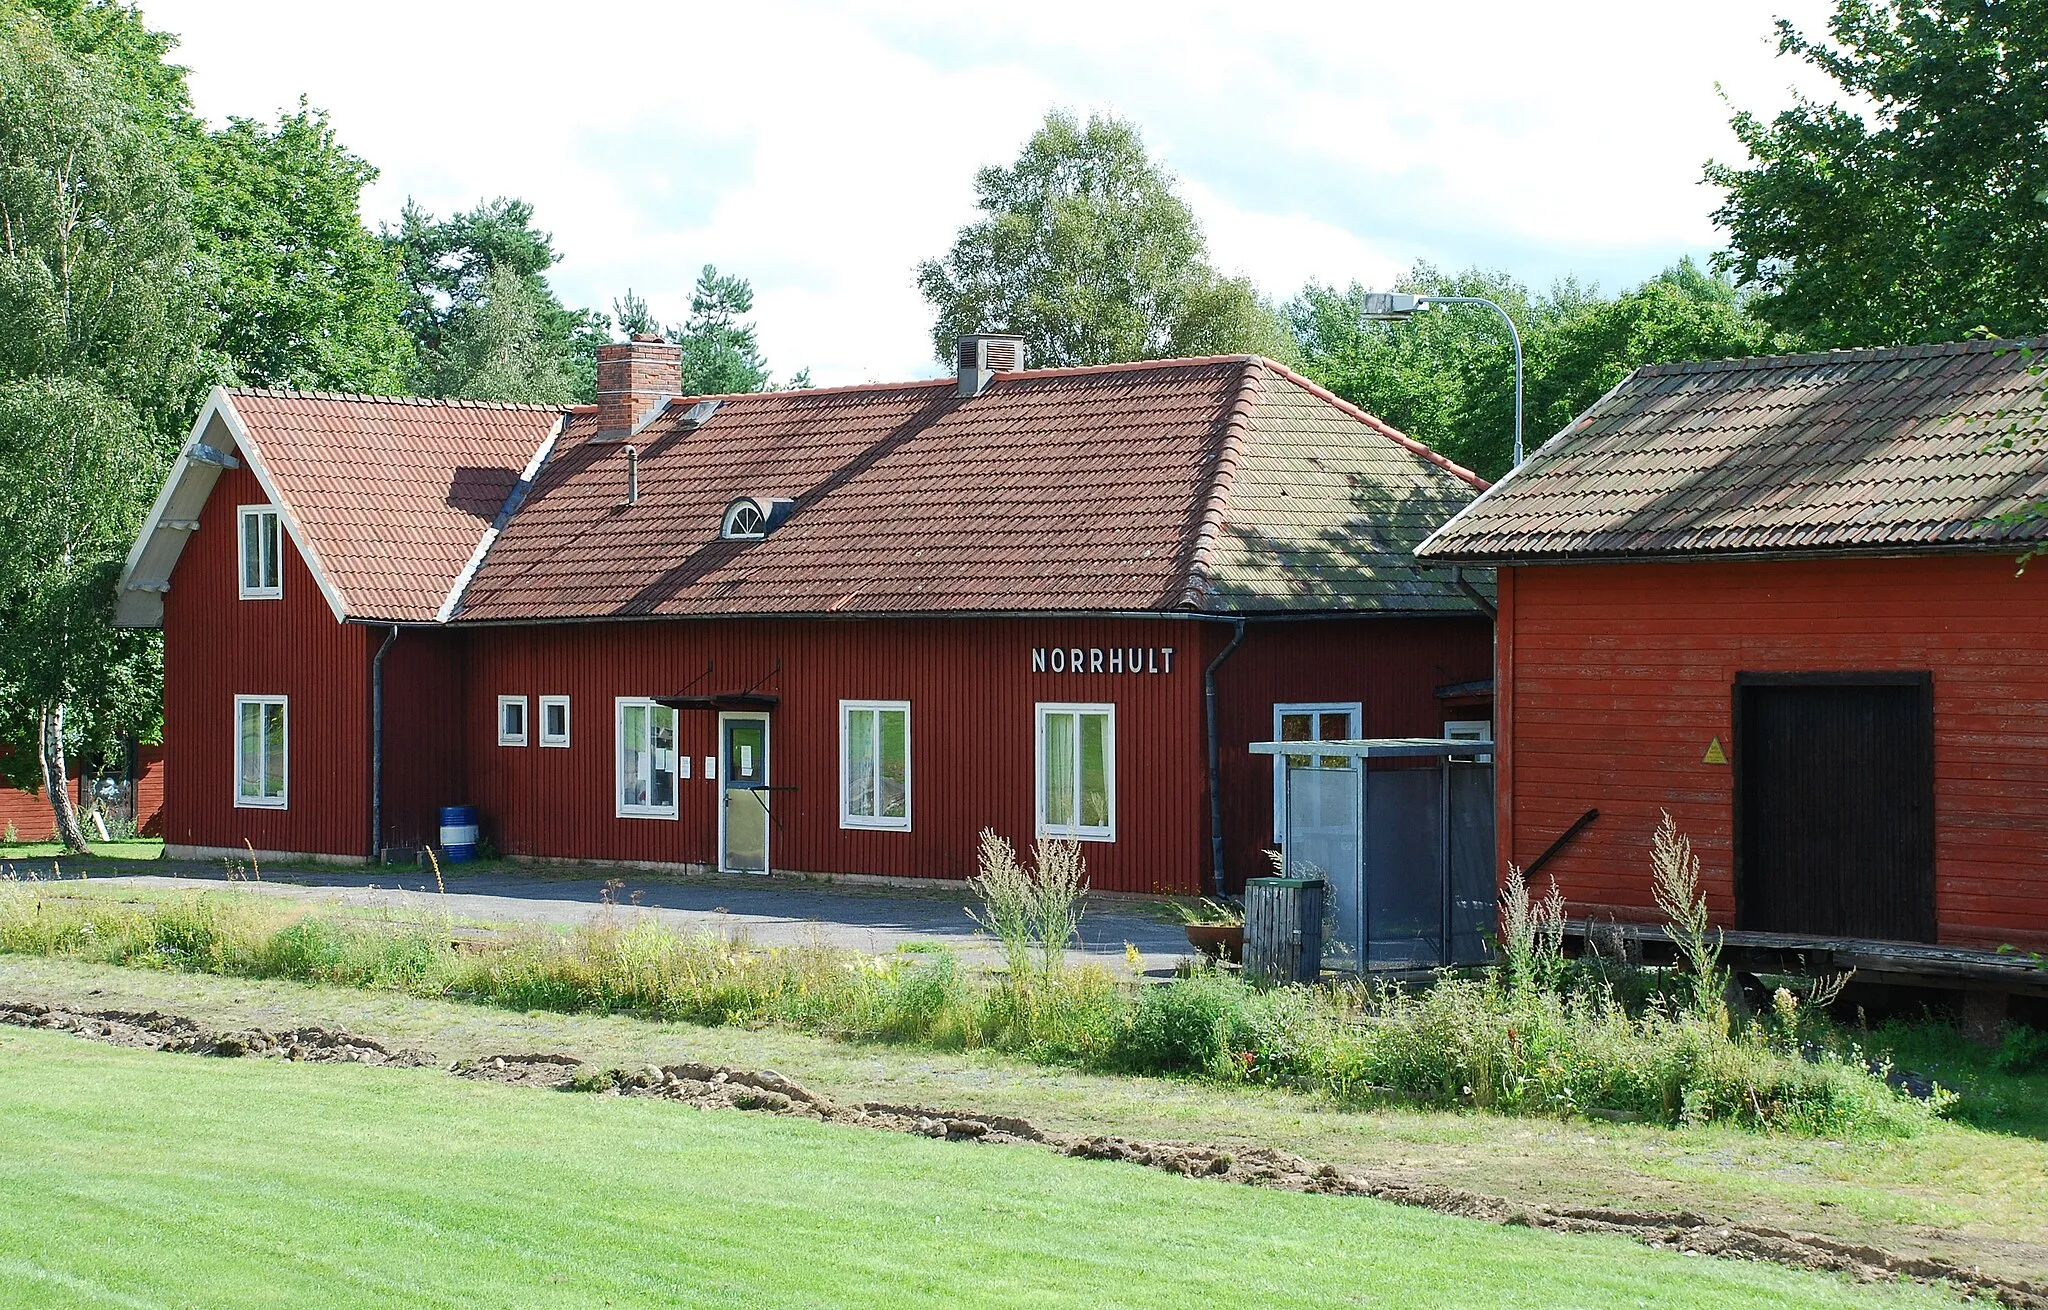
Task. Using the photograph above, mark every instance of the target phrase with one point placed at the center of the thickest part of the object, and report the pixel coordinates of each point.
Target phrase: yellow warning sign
(1715, 755)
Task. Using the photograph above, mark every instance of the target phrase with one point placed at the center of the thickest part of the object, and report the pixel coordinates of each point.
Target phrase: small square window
(262, 575)
(511, 720)
(554, 720)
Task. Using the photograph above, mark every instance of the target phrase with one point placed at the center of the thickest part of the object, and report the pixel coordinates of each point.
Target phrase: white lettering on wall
(1098, 659)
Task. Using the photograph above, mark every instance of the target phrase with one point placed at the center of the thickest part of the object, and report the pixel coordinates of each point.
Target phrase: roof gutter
(873, 616)
(1215, 759)
(1709, 555)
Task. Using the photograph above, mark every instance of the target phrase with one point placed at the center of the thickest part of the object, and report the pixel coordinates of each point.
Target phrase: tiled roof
(1841, 451)
(1223, 484)
(1322, 516)
(394, 493)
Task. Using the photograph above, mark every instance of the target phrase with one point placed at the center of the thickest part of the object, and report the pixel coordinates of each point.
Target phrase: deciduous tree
(447, 270)
(1086, 251)
(102, 324)
(1446, 377)
(75, 484)
(305, 295)
(1914, 208)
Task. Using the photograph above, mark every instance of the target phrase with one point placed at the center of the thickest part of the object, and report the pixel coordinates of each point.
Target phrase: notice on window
(746, 760)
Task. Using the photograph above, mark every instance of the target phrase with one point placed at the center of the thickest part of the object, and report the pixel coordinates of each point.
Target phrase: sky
(822, 150)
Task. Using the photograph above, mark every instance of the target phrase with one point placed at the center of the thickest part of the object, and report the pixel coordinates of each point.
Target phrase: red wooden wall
(423, 733)
(1391, 666)
(29, 812)
(218, 646)
(1616, 678)
(972, 693)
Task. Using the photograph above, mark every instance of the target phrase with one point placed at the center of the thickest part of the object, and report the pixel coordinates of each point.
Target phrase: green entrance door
(743, 793)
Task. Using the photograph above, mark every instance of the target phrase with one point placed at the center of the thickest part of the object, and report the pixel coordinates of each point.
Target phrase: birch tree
(101, 319)
(76, 484)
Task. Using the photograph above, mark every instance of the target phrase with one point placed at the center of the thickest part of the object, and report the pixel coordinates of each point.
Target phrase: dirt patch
(157, 1031)
(721, 1087)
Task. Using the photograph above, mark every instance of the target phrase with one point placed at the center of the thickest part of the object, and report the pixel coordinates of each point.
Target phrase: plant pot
(1218, 941)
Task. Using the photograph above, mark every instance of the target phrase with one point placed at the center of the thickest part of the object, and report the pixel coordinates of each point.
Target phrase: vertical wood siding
(218, 646)
(423, 737)
(1392, 666)
(28, 812)
(1616, 678)
(972, 692)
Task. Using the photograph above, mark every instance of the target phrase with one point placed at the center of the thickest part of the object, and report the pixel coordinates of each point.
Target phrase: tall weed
(1675, 883)
(1536, 1036)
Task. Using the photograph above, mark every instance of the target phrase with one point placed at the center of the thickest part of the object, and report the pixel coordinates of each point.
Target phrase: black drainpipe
(1477, 596)
(377, 745)
(1215, 766)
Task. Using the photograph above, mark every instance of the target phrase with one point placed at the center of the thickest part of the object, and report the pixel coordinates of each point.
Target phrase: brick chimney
(635, 379)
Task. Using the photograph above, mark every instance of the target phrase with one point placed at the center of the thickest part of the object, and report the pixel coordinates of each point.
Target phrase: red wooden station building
(834, 631)
(1780, 599)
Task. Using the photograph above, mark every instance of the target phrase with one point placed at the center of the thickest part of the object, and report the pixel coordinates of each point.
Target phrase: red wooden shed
(834, 631)
(1779, 598)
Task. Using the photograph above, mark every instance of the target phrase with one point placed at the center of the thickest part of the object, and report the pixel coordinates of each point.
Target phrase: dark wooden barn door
(1834, 805)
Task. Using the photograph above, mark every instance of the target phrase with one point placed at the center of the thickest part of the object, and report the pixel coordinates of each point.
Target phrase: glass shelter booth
(1402, 830)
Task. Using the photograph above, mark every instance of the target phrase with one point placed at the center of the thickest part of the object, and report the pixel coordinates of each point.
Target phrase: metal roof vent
(694, 416)
(751, 518)
(985, 354)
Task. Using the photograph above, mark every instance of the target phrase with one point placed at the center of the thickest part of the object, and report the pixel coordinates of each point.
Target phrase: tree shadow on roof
(480, 492)
(1366, 563)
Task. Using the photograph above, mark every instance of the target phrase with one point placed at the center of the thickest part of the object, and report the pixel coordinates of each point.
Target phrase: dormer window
(262, 567)
(744, 521)
(751, 518)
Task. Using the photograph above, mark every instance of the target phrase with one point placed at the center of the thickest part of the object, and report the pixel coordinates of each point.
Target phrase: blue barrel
(458, 833)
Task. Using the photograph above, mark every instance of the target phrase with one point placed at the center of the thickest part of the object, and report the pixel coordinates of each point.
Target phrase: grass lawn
(142, 848)
(138, 1178)
(1958, 1192)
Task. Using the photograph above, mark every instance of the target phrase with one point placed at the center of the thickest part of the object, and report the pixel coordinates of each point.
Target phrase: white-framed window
(1077, 771)
(511, 720)
(262, 750)
(262, 553)
(1311, 721)
(1470, 730)
(646, 759)
(874, 764)
(554, 720)
(743, 522)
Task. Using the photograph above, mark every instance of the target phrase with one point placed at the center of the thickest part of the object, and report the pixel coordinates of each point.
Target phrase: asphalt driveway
(764, 911)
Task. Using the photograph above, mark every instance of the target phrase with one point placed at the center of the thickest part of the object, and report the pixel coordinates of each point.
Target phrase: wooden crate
(1283, 928)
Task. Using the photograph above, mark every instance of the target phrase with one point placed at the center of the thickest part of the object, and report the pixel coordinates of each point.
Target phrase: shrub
(2022, 1050)
(1188, 1025)
(1536, 1036)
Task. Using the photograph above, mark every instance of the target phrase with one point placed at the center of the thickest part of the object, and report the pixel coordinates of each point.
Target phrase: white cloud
(822, 150)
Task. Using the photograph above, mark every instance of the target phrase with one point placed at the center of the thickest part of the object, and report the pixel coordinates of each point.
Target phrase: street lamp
(1394, 307)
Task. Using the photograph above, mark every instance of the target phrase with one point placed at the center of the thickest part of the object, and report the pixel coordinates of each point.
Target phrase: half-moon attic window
(744, 522)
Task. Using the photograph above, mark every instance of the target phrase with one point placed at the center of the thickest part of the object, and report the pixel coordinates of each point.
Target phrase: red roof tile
(394, 494)
(1095, 489)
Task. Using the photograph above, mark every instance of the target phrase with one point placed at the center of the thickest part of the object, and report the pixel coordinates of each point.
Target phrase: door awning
(728, 700)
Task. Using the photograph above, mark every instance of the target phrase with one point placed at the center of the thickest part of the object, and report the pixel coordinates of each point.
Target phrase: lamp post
(1394, 307)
